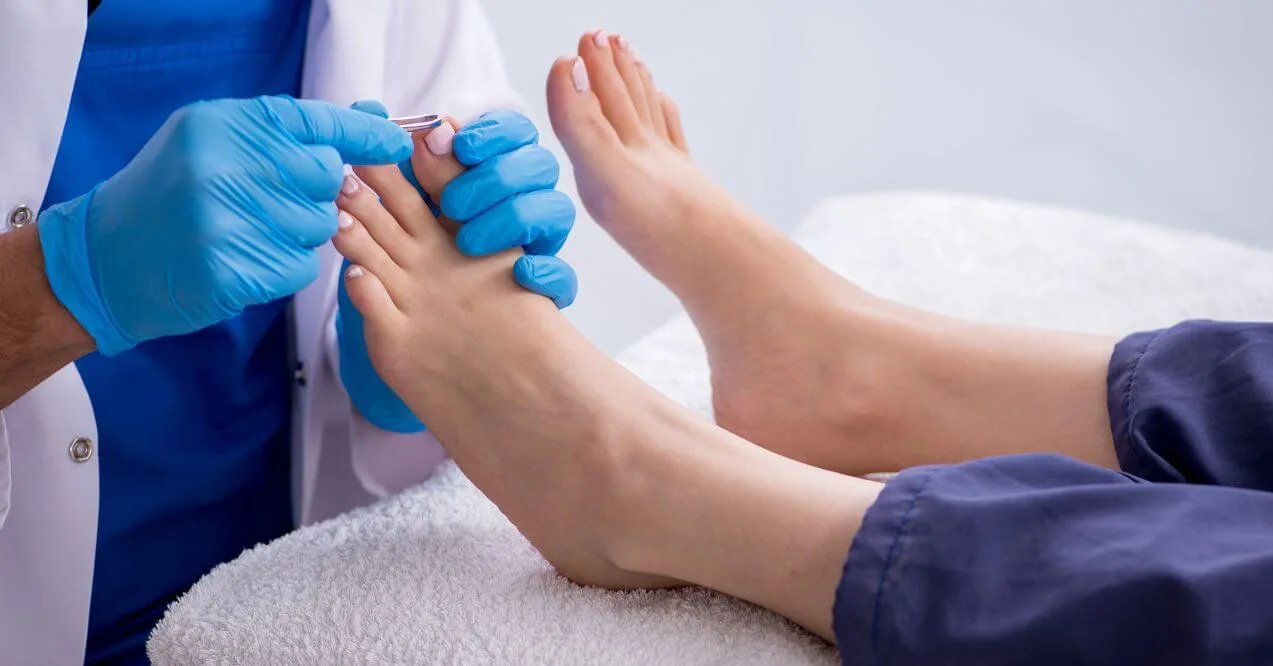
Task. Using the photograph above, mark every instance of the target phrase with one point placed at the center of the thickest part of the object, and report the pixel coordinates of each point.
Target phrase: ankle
(648, 490)
(865, 400)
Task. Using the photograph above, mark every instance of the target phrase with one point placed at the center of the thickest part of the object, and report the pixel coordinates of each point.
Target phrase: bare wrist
(56, 326)
(38, 335)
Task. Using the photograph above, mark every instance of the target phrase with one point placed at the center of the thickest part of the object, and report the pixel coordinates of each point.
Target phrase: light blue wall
(1155, 109)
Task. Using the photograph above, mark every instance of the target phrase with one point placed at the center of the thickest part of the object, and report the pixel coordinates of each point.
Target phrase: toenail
(579, 74)
(355, 272)
(623, 43)
(344, 220)
(439, 140)
(601, 39)
(350, 186)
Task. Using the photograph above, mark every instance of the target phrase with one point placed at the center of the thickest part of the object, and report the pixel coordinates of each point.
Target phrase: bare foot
(778, 325)
(463, 345)
(616, 485)
(804, 362)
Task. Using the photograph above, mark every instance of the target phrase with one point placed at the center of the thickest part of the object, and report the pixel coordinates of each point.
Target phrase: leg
(1191, 404)
(982, 562)
(616, 485)
(804, 362)
(1043, 560)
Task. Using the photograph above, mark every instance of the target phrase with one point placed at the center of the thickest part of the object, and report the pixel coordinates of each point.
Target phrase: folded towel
(437, 575)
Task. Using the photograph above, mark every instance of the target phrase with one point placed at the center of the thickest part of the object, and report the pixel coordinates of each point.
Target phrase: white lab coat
(415, 55)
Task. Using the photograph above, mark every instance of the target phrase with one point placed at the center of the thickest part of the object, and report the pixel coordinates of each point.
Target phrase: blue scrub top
(193, 430)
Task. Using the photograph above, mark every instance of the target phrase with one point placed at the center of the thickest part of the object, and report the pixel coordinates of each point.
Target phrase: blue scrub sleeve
(1194, 404)
(1040, 559)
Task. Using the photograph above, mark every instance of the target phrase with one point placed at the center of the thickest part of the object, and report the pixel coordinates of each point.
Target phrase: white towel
(437, 575)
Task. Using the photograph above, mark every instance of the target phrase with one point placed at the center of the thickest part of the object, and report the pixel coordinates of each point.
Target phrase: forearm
(37, 335)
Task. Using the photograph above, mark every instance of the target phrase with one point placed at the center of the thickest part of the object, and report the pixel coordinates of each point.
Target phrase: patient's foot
(518, 398)
(803, 361)
(615, 484)
(779, 327)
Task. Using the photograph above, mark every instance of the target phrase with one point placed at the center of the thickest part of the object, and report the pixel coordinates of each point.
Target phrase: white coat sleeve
(6, 478)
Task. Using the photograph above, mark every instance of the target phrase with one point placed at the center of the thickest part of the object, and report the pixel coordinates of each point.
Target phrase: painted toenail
(355, 272)
(350, 186)
(579, 74)
(440, 139)
(344, 220)
(623, 43)
(601, 39)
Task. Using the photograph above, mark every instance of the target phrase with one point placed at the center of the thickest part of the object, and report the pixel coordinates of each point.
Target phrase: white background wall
(1160, 110)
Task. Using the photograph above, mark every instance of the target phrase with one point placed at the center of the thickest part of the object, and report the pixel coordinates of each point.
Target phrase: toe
(354, 242)
(361, 203)
(672, 116)
(368, 295)
(400, 198)
(625, 62)
(435, 165)
(609, 86)
(655, 102)
(574, 110)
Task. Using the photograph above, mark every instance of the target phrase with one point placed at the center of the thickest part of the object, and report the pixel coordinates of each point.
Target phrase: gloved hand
(221, 210)
(505, 199)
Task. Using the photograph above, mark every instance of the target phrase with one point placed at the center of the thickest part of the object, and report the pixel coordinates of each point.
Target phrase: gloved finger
(372, 106)
(492, 134)
(550, 277)
(375, 108)
(301, 207)
(316, 171)
(301, 272)
(308, 226)
(539, 222)
(360, 138)
(475, 191)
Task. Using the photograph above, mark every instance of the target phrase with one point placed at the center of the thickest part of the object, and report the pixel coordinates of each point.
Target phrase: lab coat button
(81, 449)
(21, 216)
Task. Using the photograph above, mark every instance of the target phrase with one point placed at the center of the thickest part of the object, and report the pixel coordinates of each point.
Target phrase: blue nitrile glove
(506, 199)
(221, 210)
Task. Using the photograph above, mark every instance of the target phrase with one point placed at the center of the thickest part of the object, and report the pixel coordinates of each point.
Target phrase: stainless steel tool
(419, 123)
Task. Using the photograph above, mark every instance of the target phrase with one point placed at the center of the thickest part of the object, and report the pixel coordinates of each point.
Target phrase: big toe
(574, 110)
